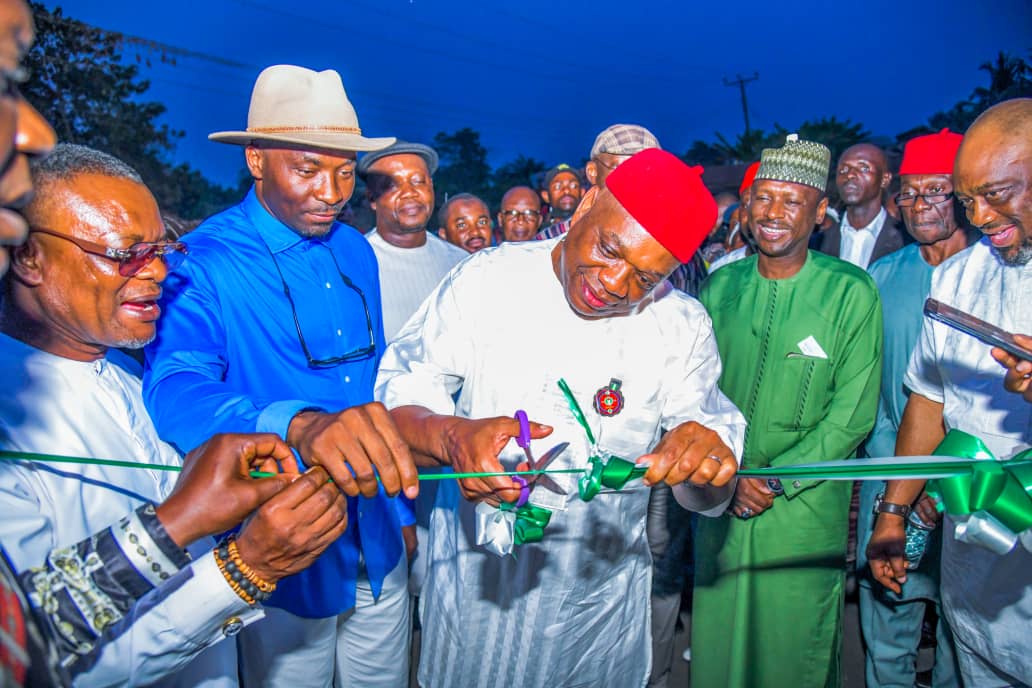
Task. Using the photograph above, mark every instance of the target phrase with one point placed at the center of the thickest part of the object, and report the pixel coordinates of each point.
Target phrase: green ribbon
(530, 522)
(1002, 489)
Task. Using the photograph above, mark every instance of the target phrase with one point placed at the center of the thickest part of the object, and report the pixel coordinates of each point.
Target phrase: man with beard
(800, 336)
(273, 324)
(867, 232)
(892, 623)
(562, 192)
(400, 187)
(571, 609)
(520, 214)
(465, 222)
(954, 383)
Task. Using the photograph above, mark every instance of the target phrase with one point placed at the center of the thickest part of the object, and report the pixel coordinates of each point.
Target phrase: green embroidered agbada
(802, 361)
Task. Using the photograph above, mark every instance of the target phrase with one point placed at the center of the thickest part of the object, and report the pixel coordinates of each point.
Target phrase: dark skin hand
(752, 493)
(294, 527)
(690, 452)
(354, 446)
(215, 491)
(1019, 371)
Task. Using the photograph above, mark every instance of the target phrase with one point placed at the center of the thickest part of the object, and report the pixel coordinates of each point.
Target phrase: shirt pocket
(799, 400)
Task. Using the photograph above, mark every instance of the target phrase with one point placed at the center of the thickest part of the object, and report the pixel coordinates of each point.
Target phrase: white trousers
(365, 646)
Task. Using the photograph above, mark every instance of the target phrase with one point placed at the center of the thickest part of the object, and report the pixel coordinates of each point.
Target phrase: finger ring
(714, 457)
(746, 513)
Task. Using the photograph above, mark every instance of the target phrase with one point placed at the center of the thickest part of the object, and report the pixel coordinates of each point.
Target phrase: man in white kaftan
(571, 610)
(954, 382)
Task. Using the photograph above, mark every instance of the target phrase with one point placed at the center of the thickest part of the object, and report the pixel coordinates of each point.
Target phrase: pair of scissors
(546, 481)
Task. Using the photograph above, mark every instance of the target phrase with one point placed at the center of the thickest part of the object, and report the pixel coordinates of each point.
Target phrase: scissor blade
(549, 456)
(546, 482)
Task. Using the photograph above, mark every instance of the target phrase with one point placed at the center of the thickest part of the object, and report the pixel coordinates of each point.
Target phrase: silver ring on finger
(746, 513)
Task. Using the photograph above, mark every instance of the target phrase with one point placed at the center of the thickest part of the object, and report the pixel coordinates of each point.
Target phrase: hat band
(293, 130)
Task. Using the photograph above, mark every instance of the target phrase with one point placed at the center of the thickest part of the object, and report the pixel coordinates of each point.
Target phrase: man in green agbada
(800, 338)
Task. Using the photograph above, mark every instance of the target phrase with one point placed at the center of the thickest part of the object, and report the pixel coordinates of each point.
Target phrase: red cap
(931, 154)
(750, 177)
(667, 198)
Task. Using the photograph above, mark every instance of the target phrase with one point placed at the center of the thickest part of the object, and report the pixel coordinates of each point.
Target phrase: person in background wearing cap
(892, 623)
(562, 192)
(738, 243)
(400, 187)
(571, 609)
(612, 146)
(465, 221)
(867, 231)
(955, 383)
(519, 216)
(800, 336)
(273, 324)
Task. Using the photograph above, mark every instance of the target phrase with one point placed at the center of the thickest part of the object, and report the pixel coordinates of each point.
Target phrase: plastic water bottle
(917, 534)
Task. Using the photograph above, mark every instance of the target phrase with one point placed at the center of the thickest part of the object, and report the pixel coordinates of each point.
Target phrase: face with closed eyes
(608, 263)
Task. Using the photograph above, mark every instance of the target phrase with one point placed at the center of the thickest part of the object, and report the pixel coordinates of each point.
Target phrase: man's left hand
(690, 452)
(1019, 371)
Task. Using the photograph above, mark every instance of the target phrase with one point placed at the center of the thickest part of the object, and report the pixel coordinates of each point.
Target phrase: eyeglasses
(130, 260)
(356, 355)
(527, 215)
(612, 167)
(907, 200)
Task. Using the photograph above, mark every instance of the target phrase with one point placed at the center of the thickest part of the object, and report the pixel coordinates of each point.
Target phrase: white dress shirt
(986, 597)
(55, 405)
(858, 244)
(573, 608)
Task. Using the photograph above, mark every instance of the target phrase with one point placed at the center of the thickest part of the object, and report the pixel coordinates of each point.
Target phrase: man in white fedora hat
(274, 324)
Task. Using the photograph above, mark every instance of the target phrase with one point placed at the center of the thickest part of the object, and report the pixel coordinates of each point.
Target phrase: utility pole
(741, 82)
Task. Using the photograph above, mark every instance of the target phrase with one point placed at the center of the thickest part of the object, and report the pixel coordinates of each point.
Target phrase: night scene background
(536, 80)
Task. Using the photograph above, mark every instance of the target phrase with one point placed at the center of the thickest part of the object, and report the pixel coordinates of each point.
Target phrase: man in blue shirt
(273, 324)
(891, 623)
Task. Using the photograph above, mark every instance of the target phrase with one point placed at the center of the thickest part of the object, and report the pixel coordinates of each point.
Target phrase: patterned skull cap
(624, 139)
(798, 162)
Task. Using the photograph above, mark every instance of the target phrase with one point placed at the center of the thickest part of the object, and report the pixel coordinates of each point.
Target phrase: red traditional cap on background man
(931, 154)
(667, 198)
(750, 177)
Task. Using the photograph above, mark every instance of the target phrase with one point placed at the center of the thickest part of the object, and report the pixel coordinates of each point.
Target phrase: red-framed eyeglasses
(130, 260)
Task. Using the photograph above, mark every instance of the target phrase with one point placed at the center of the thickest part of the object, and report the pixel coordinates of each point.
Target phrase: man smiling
(800, 337)
(465, 222)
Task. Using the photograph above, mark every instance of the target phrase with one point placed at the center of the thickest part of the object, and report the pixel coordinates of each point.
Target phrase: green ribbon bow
(530, 522)
(1001, 489)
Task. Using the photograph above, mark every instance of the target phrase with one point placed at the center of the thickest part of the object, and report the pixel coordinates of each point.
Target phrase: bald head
(519, 216)
(993, 178)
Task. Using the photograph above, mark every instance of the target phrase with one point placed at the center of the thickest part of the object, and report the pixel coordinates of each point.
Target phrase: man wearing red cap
(891, 623)
(800, 335)
(954, 383)
(571, 609)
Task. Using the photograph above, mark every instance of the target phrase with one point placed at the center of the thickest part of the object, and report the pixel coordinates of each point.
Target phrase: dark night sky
(543, 77)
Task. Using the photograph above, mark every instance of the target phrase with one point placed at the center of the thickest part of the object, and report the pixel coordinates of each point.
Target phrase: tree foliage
(463, 166)
(91, 97)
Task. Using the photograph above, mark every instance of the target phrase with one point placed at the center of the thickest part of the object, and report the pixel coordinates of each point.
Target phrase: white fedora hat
(301, 107)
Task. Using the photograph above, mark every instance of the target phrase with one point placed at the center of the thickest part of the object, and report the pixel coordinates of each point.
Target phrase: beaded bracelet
(222, 560)
(249, 573)
(241, 577)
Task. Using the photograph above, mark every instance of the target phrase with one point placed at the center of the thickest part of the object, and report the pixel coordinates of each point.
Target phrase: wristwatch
(883, 507)
(774, 485)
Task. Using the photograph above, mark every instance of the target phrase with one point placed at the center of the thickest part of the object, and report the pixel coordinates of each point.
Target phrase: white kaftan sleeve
(691, 394)
(923, 376)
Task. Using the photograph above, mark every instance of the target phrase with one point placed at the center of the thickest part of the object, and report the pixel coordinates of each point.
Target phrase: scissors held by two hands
(546, 481)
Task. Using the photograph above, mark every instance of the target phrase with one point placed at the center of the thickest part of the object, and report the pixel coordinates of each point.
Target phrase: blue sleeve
(185, 365)
(406, 509)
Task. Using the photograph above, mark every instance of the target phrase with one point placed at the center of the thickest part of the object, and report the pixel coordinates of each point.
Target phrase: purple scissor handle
(523, 440)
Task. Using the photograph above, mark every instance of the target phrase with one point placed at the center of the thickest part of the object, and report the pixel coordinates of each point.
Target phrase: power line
(741, 82)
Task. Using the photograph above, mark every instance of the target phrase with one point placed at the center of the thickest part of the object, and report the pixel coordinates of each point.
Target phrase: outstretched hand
(1019, 371)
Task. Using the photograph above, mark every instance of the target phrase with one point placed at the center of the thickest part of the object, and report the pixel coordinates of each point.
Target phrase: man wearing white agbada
(954, 383)
(573, 608)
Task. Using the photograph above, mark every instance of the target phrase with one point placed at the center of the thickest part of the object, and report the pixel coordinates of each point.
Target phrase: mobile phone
(979, 329)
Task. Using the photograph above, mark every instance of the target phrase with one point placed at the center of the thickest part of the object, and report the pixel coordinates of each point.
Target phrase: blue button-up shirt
(227, 359)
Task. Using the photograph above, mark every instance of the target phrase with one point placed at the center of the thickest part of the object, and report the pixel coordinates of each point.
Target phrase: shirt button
(339, 332)
(327, 285)
(796, 484)
(232, 626)
(347, 378)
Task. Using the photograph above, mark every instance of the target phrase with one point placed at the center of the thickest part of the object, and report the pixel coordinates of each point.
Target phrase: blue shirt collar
(277, 236)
